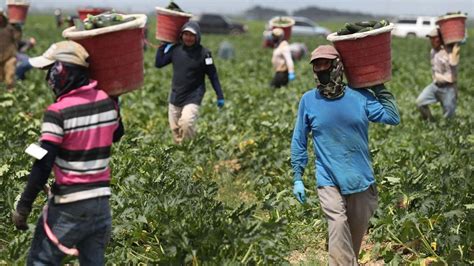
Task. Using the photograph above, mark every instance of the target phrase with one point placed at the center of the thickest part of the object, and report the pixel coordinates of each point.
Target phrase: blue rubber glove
(220, 103)
(298, 191)
(291, 76)
(168, 47)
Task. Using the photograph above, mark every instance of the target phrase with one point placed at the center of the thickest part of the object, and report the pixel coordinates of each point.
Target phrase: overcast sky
(389, 7)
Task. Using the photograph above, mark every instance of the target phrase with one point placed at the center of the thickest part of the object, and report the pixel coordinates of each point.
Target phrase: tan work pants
(7, 72)
(348, 217)
(183, 121)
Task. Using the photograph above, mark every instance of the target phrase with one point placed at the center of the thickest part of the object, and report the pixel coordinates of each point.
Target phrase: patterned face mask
(64, 77)
(329, 82)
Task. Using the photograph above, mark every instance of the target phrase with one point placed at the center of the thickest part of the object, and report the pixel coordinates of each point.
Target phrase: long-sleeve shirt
(281, 58)
(77, 131)
(9, 37)
(190, 65)
(188, 84)
(444, 66)
(339, 129)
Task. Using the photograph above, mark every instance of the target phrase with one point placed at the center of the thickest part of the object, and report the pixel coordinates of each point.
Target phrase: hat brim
(40, 62)
(325, 56)
(193, 31)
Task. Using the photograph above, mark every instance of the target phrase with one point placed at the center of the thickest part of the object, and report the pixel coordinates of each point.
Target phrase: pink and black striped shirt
(82, 123)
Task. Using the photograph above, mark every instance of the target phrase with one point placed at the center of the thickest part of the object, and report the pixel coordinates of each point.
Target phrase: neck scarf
(64, 77)
(329, 82)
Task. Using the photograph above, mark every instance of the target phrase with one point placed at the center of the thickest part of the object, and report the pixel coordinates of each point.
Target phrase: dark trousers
(280, 79)
(85, 224)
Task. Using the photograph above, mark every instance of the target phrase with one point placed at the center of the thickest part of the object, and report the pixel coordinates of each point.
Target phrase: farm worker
(77, 134)
(298, 51)
(281, 60)
(226, 50)
(9, 37)
(443, 89)
(23, 63)
(267, 39)
(191, 61)
(58, 17)
(338, 118)
(22, 59)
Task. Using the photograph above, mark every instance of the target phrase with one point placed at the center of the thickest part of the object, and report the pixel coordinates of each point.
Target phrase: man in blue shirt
(338, 118)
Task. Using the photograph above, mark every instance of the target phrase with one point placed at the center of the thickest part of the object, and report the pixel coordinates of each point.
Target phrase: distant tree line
(313, 13)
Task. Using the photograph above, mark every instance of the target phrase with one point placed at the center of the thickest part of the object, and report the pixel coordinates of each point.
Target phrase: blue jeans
(85, 225)
(445, 95)
(22, 66)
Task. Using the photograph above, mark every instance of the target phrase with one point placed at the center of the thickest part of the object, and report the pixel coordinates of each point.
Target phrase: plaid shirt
(443, 66)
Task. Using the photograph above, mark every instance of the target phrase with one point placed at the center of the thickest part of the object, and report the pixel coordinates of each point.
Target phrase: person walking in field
(298, 51)
(191, 62)
(9, 38)
(338, 117)
(76, 137)
(443, 89)
(23, 63)
(281, 60)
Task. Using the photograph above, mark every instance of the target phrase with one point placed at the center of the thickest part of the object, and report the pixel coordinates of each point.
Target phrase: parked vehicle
(411, 27)
(306, 27)
(215, 23)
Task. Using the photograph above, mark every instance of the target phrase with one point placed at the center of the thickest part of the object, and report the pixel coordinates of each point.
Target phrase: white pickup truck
(414, 26)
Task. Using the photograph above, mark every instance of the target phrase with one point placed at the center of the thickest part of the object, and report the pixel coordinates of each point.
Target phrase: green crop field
(226, 196)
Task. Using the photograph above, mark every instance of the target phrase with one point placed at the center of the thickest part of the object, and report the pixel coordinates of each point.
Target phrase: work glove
(19, 220)
(168, 47)
(464, 40)
(220, 103)
(298, 191)
(291, 76)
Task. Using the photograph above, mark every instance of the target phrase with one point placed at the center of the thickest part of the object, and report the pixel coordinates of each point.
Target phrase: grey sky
(389, 7)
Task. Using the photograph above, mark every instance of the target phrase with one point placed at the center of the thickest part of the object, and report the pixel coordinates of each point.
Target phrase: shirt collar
(92, 85)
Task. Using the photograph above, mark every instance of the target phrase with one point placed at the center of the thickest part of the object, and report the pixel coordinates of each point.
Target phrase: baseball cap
(324, 51)
(64, 51)
(190, 29)
(433, 33)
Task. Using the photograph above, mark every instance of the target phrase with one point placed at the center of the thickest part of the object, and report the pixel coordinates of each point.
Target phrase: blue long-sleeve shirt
(339, 129)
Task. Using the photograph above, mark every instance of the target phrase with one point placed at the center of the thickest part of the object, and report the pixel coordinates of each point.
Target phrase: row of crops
(225, 197)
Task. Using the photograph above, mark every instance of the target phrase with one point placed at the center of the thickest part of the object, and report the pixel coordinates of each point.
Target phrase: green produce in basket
(88, 25)
(366, 29)
(362, 26)
(381, 24)
(281, 22)
(454, 13)
(105, 19)
(370, 23)
(173, 6)
(353, 28)
(343, 31)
